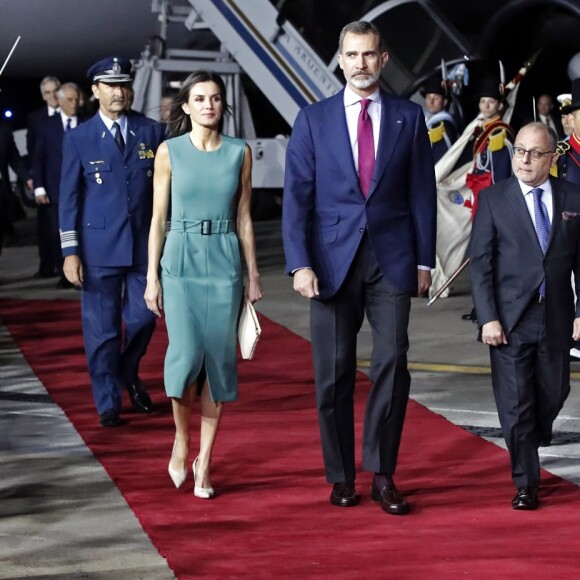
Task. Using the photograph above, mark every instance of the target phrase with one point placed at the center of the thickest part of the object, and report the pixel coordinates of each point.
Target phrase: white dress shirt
(352, 109)
(546, 198)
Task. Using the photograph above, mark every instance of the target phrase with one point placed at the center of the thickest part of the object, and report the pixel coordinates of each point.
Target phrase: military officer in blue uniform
(106, 197)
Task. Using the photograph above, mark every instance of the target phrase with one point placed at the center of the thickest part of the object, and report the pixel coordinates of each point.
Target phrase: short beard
(364, 83)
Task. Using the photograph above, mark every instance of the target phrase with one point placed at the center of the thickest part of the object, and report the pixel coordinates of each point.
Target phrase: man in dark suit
(9, 158)
(46, 166)
(525, 244)
(106, 199)
(359, 227)
(547, 115)
(49, 86)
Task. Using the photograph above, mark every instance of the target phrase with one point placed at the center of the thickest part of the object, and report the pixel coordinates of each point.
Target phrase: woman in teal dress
(195, 274)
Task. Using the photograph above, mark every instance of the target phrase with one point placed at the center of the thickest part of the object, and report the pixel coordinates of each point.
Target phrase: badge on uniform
(144, 152)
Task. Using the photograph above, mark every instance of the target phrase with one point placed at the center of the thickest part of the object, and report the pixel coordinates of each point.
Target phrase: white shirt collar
(122, 120)
(546, 186)
(350, 97)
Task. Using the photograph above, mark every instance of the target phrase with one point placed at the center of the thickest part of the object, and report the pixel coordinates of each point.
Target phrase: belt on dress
(204, 227)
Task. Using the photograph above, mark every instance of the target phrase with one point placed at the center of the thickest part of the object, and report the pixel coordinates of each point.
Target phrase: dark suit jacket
(507, 264)
(47, 159)
(106, 197)
(325, 213)
(35, 118)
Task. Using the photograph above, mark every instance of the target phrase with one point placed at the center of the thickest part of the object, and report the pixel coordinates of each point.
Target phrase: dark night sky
(59, 37)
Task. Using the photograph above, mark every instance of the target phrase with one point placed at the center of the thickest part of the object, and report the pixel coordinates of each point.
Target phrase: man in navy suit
(46, 166)
(106, 198)
(359, 237)
(49, 86)
(525, 245)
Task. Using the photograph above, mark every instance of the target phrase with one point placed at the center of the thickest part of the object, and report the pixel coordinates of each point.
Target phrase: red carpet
(272, 518)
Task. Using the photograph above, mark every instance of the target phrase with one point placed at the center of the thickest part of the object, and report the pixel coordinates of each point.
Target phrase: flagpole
(449, 281)
(9, 55)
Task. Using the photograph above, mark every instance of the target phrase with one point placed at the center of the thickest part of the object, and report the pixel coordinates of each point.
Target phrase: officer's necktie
(119, 137)
(366, 147)
(68, 126)
(542, 225)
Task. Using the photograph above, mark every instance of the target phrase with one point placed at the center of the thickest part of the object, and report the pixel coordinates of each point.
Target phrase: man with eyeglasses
(525, 245)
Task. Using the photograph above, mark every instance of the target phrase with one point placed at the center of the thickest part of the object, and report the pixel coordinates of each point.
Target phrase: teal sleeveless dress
(201, 270)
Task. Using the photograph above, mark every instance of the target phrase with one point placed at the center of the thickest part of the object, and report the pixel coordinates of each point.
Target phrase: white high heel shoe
(202, 492)
(177, 475)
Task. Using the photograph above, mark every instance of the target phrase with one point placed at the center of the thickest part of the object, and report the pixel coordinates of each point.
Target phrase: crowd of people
(151, 219)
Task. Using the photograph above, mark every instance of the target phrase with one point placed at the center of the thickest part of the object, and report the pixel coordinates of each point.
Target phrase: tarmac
(53, 522)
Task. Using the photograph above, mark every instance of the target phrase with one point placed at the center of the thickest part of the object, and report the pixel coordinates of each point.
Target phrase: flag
(453, 217)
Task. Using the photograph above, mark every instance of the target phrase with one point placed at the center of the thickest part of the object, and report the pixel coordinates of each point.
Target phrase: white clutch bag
(249, 331)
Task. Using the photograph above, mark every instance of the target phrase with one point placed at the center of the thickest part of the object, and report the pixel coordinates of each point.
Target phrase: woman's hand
(253, 291)
(154, 297)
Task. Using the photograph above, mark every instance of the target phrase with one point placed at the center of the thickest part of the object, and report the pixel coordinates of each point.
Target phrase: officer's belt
(203, 227)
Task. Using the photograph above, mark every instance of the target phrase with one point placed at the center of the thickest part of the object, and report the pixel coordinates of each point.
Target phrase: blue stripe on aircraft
(259, 51)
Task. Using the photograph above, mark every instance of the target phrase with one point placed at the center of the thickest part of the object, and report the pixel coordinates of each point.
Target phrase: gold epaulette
(497, 140)
(562, 147)
(436, 132)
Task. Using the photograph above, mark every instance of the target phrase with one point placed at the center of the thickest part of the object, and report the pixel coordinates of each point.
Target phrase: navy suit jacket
(47, 159)
(35, 118)
(106, 197)
(507, 263)
(325, 213)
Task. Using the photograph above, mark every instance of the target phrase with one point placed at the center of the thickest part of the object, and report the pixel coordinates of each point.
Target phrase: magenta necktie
(366, 147)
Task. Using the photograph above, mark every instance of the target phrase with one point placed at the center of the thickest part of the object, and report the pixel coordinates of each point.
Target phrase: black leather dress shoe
(343, 494)
(471, 316)
(110, 418)
(526, 498)
(139, 398)
(392, 502)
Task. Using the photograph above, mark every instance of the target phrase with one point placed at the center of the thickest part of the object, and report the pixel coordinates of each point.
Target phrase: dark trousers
(334, 325)
(48, 236)
(111, 297)
(530, 384)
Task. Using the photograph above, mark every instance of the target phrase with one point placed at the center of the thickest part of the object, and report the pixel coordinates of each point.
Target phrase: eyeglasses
(534, 154)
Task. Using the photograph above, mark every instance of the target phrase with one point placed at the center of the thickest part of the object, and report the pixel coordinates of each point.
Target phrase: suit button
(361, 231)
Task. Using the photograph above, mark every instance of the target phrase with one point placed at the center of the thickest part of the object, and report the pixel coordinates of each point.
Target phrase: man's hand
(576, 331)
(492, 333)
(73, 270)
(42, 200)
(306, 283)
(423, 282)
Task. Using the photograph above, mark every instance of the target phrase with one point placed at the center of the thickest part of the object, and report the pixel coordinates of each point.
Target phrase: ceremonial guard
(493, 142)
(439, 121)
(105, 210)
(567, 167)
